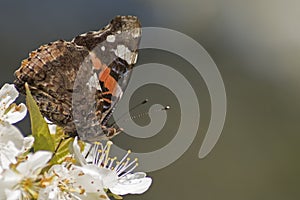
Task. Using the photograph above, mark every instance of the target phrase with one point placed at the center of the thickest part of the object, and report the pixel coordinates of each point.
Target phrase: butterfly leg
(111, 132)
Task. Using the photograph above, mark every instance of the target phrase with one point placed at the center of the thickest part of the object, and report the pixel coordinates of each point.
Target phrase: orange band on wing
(109, 82)
(96, 61)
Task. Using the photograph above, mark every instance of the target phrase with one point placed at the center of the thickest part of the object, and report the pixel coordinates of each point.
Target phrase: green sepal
(39, 127)
(110, 194)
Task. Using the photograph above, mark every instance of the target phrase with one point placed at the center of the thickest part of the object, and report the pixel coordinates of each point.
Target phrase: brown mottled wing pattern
(77, 84)
(50, 72)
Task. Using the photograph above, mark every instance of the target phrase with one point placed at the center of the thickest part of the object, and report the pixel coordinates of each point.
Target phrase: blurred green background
(256, 46)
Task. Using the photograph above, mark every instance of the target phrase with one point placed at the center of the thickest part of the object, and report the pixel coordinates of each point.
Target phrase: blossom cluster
(87, 171)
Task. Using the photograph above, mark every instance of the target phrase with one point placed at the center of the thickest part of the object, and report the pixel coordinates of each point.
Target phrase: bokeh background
(256, 46)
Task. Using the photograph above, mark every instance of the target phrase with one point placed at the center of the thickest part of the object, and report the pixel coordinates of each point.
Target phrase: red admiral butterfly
(77, 84)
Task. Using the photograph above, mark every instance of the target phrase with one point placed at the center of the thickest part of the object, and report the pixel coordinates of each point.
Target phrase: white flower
(12, 142)
(117, 176)
(9, 112)
(23, 182)
(70, 182)
(136, 183)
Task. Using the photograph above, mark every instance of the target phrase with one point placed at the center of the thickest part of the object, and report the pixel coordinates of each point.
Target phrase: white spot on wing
(124, 53)
(103, 48)
(94, 83)
(136, 32)
(83, 35)
(110, 38)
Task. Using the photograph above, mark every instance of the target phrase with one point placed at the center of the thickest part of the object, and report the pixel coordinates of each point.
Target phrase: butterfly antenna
(126, 113)
(142, 114)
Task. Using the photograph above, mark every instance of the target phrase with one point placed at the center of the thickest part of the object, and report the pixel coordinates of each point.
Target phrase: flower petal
(12, 144)
(27, 143)
(8, 154)
(89, 183)
(94, 196)
(132, 184)
(8, 180)
(51, 192)
(15, 113)
(9, 132)
(35, 163)
(52, 127)
(79, 185)
(13, 194)
(77, 153)
(109, 177)
(8, 94)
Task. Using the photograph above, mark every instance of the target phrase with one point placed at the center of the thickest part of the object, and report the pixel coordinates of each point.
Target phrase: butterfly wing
(77, 84)
(50, 72)
(113, 52)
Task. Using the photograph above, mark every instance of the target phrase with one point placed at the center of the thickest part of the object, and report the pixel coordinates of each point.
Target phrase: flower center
(29, 188)
(102, 159)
